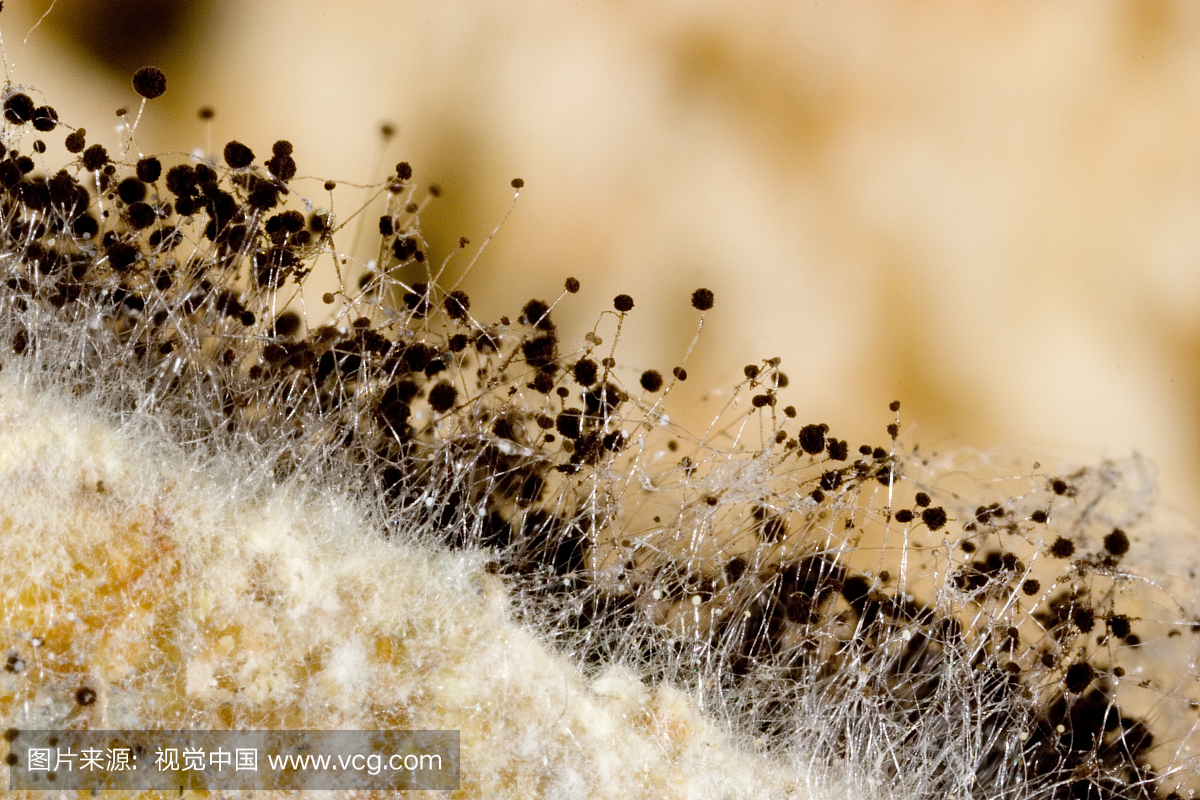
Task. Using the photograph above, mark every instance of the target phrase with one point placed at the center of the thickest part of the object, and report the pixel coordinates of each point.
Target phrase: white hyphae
(389, 514)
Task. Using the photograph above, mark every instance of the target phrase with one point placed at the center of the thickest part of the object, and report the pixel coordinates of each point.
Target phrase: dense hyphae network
(867, 609)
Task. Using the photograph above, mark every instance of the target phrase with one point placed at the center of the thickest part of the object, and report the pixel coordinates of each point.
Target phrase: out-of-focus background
(990, 211)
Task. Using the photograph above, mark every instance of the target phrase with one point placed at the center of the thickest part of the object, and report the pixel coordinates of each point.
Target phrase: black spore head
(1062, 548)
(18, 108)
(1117, 542)
(651, 380)
(702, 299)
(149, 82)
(237, 155)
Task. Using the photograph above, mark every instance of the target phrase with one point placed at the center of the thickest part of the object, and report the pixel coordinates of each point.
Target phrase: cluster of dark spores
(489, 435)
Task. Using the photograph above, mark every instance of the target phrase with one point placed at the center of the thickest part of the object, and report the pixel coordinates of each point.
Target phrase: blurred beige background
(990, 211)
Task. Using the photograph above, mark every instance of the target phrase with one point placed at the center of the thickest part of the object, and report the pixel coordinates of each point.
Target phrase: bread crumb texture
(187, 599)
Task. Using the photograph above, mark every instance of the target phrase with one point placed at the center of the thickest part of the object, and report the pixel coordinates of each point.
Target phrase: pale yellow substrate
(184, 602)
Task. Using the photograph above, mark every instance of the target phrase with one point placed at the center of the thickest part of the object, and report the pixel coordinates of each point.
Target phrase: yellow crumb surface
(189, 599)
